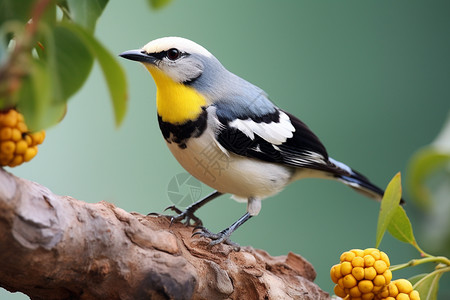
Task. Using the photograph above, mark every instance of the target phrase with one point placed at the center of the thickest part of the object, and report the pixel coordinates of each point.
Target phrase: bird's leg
(188, 213)
(224, 235)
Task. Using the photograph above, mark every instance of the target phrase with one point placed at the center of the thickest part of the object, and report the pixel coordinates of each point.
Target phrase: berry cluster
(365, 274)
(400, 289)
(17, 144)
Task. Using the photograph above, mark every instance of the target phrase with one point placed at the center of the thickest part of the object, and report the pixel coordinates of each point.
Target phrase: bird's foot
(216, 238)
(186, 215)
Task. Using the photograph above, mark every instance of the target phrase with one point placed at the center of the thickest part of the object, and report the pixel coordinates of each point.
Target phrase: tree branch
(54, 247)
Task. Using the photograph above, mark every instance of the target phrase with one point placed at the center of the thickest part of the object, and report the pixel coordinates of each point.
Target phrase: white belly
(240, 176)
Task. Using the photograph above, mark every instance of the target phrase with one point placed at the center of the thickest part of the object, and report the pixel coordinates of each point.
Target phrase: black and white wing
(277, 137)
(280, 137)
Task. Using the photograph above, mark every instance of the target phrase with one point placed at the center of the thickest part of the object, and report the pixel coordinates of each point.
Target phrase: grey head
(187, 62)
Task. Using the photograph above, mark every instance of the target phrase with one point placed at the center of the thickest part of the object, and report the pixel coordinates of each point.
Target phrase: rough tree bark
(54, 247)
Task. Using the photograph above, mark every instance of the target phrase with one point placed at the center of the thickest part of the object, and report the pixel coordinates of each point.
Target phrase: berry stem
(416, 262)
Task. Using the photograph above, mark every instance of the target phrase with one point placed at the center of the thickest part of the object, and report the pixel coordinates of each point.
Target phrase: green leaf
(63, 67)
(400, 226)
(157, 4)
(424, 163)
(112, 71)
(15, 10)
(35, 98)
(427, 285)
(427, 162)
(416, 278)
(70, 62)
(86, 12)
(389, 204)
(49, 15)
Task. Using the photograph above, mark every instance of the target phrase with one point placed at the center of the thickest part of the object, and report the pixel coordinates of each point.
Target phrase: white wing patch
(214, 127)
(306, 158)
(275, 133)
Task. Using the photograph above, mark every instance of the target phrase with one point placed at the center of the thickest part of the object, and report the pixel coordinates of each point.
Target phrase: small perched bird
(228, 134)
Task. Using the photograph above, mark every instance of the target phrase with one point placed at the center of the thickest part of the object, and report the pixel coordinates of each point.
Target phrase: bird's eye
(173, 54)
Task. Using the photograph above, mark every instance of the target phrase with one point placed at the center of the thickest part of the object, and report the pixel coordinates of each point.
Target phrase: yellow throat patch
(176, 103)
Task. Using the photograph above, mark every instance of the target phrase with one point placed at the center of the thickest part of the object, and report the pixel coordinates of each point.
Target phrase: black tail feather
(362, 184)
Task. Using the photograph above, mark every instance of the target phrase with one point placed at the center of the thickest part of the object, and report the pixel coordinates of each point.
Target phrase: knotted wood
(57, 247)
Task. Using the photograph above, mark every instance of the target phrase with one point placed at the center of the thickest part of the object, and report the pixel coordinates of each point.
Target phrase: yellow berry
(7, 147)
(337, 271)
(347, 256)
(402, 296)
(349, 281)
(42, 136)
(365, 286)
(379, 280)
(377, 289)
(388, 275)
(5, 158)
(30, 153)
(332, 274)
(16, 144)
(5, 133)
(354, 292)
(404, 286)
(414, 295)
(21, 147)
(22, 126)
(37, 137)
(16, 135)
(392, 289)
(383, 293)
(10, 119)
(358, 273)
(17, 160)
(368, 251)
(385, 258)
(363, 274)
(368, 260)
(376, 254)
(358, 252)
(368, 296)
(20, 117)
(341, 282)
(339, 291)
(380, 266)
(346, 268)
(28, 139)
(370, 273)
(358, 262)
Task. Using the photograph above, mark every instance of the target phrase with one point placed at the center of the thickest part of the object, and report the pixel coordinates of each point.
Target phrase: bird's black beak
(138, 55)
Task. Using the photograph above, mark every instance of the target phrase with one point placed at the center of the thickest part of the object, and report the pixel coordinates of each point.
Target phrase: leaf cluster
(393, 218)
(47, 50)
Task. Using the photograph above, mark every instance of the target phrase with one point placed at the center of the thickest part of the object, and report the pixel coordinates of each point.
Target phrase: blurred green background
(371, 79)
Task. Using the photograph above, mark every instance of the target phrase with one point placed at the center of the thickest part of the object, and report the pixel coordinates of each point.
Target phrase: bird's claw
(153, 214)
(216, 238)
(173, 208)
(186, 215)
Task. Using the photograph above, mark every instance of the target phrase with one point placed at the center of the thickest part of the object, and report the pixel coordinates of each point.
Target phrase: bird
(228, 134)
